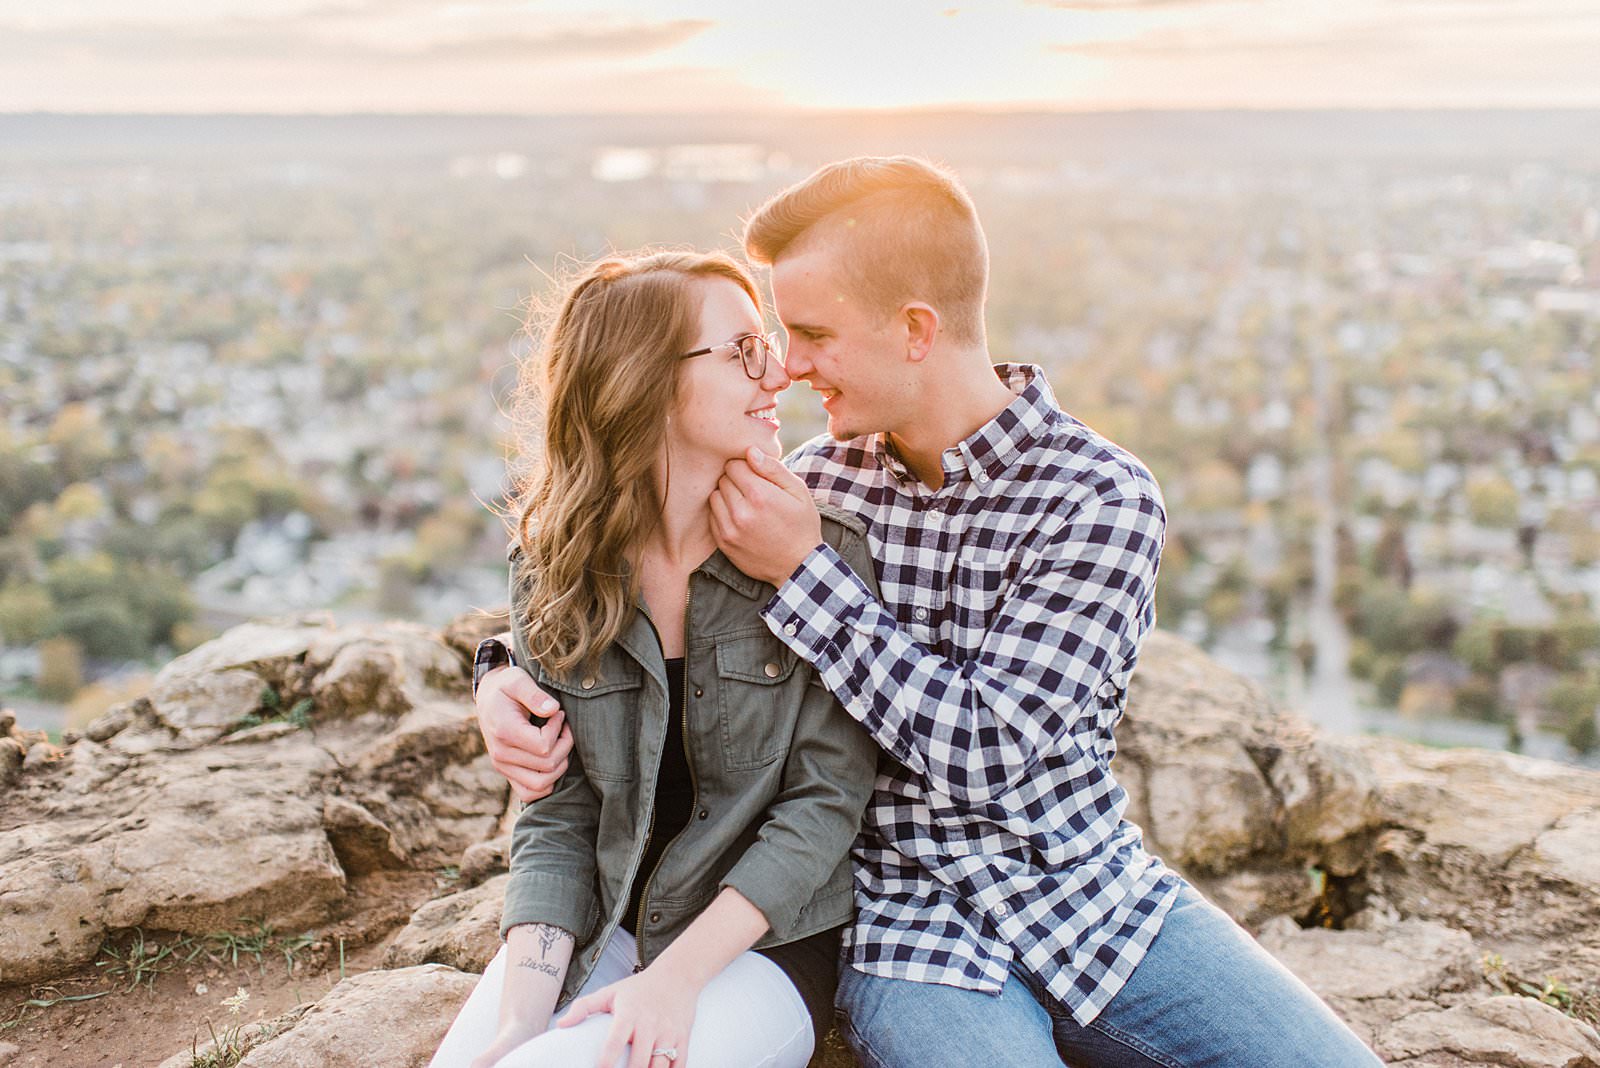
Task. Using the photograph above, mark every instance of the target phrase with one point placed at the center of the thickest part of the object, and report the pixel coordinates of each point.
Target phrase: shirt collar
(995, 445)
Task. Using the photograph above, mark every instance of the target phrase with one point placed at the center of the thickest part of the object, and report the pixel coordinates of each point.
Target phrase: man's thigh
(895, 1023)
(1207, 995)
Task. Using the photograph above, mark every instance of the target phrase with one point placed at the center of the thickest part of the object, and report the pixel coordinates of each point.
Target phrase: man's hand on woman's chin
(763, 517)
(531, 758)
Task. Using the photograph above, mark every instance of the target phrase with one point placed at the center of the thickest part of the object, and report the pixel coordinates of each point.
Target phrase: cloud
(1125, 5)
(279, 39)
(1404, 30)
(611, 42)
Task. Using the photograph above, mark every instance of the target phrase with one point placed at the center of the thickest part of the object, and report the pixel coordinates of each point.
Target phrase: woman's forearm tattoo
(549, 937)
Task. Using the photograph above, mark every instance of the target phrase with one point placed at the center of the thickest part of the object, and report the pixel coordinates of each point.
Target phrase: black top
(812, 963)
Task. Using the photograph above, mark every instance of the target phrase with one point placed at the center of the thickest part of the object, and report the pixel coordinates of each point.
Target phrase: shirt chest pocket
(602, 708)
(757, 700)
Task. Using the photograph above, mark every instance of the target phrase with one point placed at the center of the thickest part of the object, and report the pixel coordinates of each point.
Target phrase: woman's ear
(922, 329)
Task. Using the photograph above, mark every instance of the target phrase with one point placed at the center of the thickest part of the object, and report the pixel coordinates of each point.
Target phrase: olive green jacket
(781, 777)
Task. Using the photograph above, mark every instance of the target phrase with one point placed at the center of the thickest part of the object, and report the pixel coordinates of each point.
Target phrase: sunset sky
(540, 56)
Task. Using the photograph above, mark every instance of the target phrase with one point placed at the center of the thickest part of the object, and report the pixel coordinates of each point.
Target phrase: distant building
(738, 162)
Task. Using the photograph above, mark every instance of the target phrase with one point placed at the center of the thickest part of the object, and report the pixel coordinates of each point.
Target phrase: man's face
(851, 354)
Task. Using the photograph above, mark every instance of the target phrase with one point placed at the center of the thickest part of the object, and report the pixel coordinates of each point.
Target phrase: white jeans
(749, 1016)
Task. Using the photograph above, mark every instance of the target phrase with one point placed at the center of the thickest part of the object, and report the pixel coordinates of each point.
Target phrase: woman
(678, 898)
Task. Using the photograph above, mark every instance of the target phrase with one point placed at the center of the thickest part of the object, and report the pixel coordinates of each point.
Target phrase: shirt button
(921, 613)
(789, 629)
(1002, 909)
(771, 670)
(983, 476)
(704, 813)
(588, 682)
(698, 692)
(655, 917)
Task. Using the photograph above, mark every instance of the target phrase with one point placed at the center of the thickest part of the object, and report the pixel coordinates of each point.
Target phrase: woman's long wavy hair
(590, 416)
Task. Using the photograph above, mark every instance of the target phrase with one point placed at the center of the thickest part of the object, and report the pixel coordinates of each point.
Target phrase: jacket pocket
(603, 711)
(756, 705)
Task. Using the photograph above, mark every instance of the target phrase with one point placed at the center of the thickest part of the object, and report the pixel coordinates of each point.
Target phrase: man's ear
(922, 329)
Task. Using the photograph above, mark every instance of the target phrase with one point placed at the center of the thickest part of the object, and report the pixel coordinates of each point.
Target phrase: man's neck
(950, 410)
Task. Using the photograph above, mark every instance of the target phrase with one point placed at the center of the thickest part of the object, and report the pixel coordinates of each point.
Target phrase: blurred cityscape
(252, 367)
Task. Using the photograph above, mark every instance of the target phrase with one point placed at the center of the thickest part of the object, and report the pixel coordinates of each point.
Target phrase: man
(1008, 914)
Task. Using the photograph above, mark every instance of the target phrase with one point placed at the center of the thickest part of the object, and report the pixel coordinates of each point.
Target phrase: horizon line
(922, 111)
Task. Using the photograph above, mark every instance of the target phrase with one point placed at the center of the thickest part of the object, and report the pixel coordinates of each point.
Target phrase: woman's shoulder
(840, 527)
(847, 533)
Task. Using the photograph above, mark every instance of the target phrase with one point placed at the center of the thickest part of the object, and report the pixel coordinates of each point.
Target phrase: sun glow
(567, 56)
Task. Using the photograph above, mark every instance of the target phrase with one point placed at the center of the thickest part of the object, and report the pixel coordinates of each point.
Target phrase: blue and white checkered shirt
(993, 670)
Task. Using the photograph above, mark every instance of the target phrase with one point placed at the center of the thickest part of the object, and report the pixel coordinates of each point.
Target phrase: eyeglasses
(753, 352)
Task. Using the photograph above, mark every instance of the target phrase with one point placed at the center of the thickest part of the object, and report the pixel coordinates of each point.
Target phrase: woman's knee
(561, 1047)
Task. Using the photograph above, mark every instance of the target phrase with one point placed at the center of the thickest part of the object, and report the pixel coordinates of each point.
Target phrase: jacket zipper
(694, 782)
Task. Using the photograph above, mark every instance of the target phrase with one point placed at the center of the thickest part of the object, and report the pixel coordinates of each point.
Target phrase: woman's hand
(652, 1010)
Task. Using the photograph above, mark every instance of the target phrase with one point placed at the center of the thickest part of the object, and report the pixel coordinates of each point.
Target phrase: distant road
(1330, 698)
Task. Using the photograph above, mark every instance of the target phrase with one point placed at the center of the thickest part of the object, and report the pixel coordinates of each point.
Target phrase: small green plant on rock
(272, 710)
(230, 1047)
(140, 959)
(40, 1002)
(446, 878)
(228, 945)
(1577, 1003)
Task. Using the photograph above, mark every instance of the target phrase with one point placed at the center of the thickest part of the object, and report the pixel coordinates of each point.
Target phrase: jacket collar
(721, 568)
(639, 639)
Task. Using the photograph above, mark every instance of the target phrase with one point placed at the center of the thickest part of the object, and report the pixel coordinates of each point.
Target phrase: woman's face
(721, 411)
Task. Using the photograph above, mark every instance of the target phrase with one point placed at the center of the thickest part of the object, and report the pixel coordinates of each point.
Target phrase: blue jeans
(1204, 996)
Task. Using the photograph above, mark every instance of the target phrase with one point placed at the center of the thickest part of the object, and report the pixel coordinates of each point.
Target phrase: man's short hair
(906, 230)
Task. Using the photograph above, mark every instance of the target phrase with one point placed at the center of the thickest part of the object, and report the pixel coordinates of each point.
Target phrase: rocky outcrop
(461, 930)
(395, 1018)
(1240, 797)
(261, 773)
(1497, 1030)
(22, 750)
(1384, 875)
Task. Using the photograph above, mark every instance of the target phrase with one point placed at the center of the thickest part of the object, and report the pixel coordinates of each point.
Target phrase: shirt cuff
(541, 897)
(814, 609)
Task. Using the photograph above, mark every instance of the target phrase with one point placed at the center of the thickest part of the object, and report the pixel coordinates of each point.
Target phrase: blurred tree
(23, 481)
(108, 630)
(1391, 559)
(1478, 646)
(1214, 486)
(1575, 638)
(1478, 698)
(81, 441)
(1583, 734)
(60, 668)
(80, 502)
(25, 614)
(1492, 501)
(397, 585)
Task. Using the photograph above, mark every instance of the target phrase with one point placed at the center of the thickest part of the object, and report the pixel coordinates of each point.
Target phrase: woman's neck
(683, 540)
